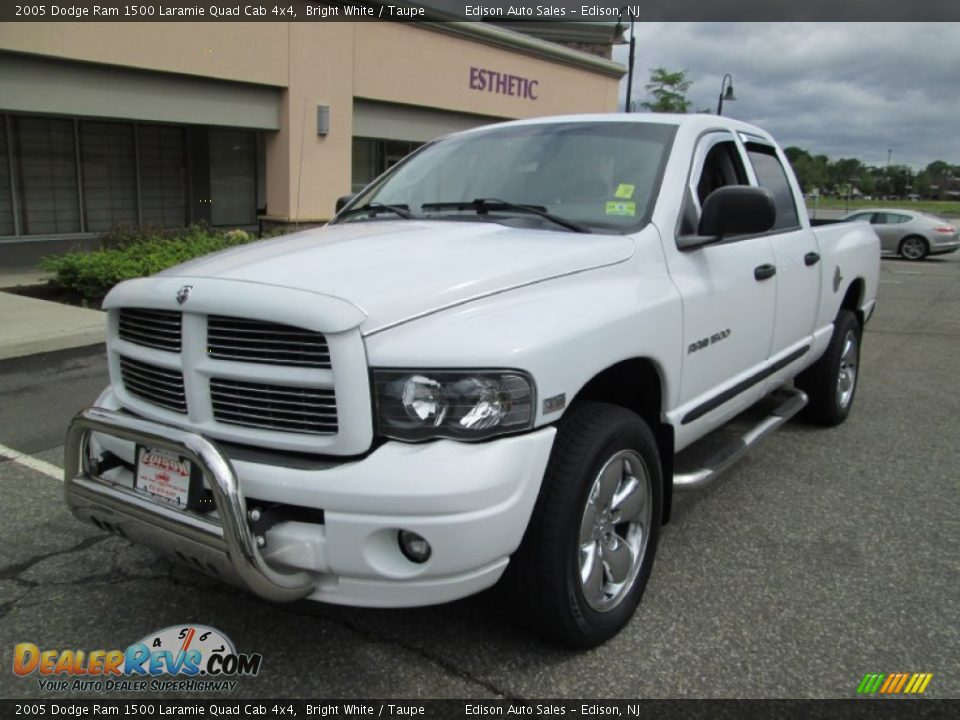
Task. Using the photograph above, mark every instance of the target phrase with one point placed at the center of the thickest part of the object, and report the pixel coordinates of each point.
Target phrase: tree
(668, 90)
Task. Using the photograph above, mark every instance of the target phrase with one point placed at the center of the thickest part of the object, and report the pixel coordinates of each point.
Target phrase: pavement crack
(13, 572)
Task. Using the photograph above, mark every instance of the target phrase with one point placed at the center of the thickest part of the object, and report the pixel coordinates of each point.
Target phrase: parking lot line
(41, 466)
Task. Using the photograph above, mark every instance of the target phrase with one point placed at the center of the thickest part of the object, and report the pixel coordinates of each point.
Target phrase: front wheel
(831, 383)
(588, 551)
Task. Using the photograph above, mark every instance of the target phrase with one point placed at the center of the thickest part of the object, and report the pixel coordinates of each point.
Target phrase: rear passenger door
(796, 257)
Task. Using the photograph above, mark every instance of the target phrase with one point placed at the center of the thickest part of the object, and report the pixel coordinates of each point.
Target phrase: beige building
(247, 124)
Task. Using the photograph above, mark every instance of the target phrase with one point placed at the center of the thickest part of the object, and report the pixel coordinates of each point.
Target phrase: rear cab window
(772, 176)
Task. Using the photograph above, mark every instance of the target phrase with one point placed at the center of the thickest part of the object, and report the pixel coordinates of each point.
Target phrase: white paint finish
(560, 306)
(394, 270)
(28, 461)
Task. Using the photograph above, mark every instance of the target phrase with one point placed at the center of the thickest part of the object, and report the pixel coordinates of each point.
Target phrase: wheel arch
(637, 384)
(853, 299)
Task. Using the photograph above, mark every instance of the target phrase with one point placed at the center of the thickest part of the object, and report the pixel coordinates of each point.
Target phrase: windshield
(601, 175)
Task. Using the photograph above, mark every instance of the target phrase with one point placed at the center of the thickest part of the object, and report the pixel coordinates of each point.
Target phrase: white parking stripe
(42, 466)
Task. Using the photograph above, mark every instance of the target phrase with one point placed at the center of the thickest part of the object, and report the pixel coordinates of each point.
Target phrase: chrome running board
(701, 463)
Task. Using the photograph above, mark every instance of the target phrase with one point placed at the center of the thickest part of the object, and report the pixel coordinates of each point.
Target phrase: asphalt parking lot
(822, 556)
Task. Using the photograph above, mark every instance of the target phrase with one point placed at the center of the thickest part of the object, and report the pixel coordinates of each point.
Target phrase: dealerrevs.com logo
(178, 658)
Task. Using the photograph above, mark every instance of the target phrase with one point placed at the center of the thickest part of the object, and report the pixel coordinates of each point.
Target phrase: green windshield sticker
(625, 191)
(623, 209)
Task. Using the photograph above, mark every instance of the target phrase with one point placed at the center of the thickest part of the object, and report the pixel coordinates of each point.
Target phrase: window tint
(771, 175)
(861, 217)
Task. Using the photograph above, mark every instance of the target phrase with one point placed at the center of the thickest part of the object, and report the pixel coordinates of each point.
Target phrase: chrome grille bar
(157, 385)
(159, 329)
(274, 407)
(255, 341)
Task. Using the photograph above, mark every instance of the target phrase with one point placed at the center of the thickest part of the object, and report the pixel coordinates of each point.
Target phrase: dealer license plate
(165, 476)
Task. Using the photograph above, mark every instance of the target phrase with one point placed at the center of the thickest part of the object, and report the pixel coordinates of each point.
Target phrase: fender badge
(184, 293)
(837, 279)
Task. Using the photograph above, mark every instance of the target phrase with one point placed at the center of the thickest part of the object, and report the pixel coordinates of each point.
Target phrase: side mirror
(737, 210)
(343, 200)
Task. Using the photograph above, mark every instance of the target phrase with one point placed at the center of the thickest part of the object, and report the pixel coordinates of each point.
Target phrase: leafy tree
(668, 91)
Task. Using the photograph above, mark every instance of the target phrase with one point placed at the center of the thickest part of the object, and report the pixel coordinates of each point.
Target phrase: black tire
(913, 247)
(544, 575)
(829, 403)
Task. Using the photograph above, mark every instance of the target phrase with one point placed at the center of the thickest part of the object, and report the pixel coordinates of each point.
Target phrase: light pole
(633, 52)
(726, 92)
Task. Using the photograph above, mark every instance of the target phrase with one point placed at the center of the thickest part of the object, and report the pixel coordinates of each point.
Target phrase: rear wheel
(914, 248)
(588, 551)
(831, 383)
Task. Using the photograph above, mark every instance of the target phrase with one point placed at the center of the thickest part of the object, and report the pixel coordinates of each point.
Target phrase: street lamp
(725, 84)
(633, 49)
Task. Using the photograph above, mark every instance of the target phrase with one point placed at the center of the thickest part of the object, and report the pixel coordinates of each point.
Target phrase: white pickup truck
(499, 359)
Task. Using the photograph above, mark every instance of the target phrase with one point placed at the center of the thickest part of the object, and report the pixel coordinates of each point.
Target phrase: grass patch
(934, 207)
(126, 254)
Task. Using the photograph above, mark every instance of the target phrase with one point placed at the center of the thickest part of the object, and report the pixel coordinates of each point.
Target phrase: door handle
(764, 272)
(811, 258)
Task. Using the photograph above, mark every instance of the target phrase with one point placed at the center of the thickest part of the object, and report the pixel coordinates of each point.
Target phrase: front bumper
(472, 502)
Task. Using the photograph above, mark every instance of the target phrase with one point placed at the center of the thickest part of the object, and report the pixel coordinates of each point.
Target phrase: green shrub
(126, 255)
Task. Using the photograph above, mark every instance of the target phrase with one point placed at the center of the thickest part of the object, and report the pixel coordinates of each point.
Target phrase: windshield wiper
(376, 208)
(484, 205)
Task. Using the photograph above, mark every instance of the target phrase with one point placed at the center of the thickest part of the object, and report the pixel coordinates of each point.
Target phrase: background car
(910, 234)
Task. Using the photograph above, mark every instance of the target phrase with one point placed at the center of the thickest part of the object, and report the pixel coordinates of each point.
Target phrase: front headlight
(460, 404)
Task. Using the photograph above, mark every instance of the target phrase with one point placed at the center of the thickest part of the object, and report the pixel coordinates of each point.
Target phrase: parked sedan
(910, 234)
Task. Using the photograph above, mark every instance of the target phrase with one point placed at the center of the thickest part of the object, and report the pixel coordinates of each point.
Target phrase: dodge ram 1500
(501, 358)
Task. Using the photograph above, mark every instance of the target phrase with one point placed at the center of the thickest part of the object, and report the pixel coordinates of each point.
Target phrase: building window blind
(47, 171)
(163, 172)
(109, 167)
(7, 226)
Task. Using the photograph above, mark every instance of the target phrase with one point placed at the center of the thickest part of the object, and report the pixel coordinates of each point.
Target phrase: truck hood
(394, 271)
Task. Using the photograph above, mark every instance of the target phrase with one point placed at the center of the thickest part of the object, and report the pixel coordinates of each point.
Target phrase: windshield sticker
(625, 191)
(623, 209)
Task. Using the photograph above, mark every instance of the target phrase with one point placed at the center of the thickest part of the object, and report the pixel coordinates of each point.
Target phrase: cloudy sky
(841, 89)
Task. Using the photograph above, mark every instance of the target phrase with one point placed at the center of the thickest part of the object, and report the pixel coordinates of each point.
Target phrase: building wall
(311, 64)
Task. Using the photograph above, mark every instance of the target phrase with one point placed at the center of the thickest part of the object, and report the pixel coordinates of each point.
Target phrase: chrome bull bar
(227, 549)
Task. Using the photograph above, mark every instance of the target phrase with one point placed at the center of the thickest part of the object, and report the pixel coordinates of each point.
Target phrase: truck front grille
(311, 411)
(154, 384)
(160, 329)
(266, 343)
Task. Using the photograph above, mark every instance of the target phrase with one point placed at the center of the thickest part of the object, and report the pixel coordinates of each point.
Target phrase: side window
(721, 167)
(771, 175)
(897, 219)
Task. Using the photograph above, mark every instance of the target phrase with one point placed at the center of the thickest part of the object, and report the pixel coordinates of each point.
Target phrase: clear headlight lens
(461, 404)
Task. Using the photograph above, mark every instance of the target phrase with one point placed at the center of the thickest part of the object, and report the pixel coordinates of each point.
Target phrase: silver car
(910, 234)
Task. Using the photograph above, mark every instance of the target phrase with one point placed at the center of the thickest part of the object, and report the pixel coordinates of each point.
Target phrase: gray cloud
(842, 89)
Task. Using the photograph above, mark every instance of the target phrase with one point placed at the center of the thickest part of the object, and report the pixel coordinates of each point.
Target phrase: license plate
(166, 477)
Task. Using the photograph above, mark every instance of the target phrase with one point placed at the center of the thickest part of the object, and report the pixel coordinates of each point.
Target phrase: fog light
(414, 547)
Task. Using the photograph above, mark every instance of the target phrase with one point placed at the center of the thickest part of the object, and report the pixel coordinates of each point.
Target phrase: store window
(163, 175)
(233, 177)
(68, 175)
(46, 163)
(372, 156)
(7, 224)
(109, 169)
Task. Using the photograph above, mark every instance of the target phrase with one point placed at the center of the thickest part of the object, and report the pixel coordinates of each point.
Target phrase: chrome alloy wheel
(847, 375)
(614, 530)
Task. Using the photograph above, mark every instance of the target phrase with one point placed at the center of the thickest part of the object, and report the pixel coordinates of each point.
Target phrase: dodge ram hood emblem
(183, 293)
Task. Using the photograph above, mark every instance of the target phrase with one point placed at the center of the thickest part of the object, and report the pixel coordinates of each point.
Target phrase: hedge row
(129, 254)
